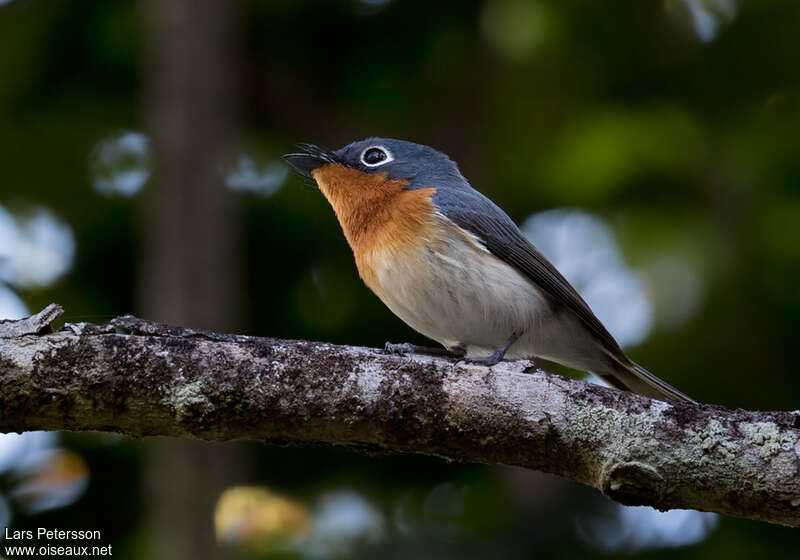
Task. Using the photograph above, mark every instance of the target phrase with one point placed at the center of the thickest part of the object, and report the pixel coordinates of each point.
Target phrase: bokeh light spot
(369, 7)
(120, 164)
(11, 306)
(57, 478)
(342, 521)
(35, 249)
(678, 291)
(705, 17)
(248, 176)
(599, 155)
(583, 248)
(259, 518)
(636, 528)
(515, 28)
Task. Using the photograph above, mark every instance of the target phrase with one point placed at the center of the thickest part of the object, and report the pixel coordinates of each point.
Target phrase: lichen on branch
(140, 378)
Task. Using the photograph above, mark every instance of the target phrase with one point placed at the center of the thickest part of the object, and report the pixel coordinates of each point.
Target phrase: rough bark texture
(140, 378)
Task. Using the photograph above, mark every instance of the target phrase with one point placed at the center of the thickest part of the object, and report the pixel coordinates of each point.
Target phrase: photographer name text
(17, 543)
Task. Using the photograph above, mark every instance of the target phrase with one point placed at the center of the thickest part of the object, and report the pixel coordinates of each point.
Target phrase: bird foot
(403, 348)
(486, 360)
(498, 354)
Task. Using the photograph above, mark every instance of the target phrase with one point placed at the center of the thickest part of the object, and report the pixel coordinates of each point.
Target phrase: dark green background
(684, 146)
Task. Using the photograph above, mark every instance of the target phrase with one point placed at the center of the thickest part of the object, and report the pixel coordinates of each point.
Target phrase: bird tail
(636, 379)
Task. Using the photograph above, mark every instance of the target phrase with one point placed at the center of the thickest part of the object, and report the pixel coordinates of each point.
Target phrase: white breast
(454, 291)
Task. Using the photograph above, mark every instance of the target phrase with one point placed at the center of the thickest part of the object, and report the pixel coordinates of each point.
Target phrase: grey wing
(475, 213)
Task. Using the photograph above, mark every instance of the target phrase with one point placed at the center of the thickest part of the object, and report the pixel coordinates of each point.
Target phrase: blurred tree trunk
(191, 260)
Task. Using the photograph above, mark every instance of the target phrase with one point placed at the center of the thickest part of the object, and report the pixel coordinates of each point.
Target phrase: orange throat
(376, 214)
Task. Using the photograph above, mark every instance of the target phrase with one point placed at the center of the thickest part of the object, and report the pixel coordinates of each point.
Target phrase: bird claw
(487, 361)
(403, 348)
(400, 348)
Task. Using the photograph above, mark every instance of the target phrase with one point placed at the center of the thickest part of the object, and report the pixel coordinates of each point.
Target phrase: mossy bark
(139, 378)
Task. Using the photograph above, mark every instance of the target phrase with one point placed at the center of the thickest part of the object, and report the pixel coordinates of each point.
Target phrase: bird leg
(498, 354)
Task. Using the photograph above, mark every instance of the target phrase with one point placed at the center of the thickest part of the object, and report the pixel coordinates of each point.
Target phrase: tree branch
(140, 378)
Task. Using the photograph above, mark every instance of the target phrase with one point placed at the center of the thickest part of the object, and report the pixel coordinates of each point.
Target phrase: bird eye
(375, 156)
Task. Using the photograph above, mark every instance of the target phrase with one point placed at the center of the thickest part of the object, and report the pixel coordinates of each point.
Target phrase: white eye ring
(389, 157)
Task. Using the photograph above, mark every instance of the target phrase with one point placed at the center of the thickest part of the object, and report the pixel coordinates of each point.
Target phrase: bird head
(374, 161)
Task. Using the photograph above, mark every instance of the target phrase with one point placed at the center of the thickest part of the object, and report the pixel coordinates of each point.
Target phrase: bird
(456, 268)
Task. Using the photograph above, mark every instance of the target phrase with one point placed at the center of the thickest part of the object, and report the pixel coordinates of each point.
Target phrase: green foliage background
(686, 147)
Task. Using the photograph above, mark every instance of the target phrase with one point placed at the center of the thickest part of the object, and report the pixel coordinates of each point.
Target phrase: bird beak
(312, 157)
